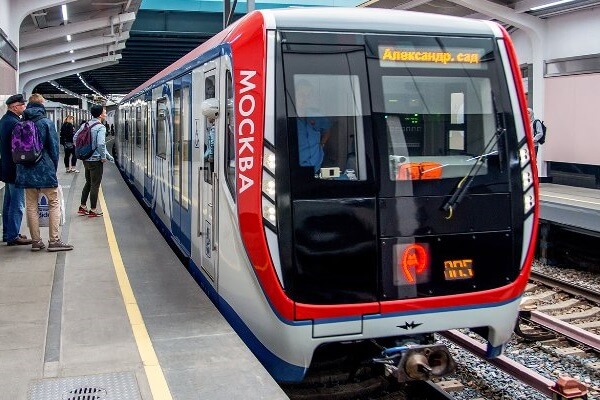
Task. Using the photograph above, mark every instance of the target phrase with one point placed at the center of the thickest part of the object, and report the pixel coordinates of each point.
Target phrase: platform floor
(119, 313)
(570, 206)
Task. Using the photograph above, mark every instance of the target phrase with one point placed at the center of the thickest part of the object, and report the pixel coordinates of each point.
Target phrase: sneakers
(37, 246)
(82, 210)
(59, 246)
(93, 214)
(75, 171)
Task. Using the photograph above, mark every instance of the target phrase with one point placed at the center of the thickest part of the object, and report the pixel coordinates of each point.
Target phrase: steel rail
(564, 328)
(513, 368)
(568, 287)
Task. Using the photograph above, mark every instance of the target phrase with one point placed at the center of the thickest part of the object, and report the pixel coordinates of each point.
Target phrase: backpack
(83, 144)
(26, 144)
(542, 140)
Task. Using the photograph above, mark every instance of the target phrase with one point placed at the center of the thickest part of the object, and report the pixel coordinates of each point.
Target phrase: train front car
(397, 195)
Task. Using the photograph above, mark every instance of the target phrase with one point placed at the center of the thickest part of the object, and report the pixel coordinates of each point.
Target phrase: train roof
(334, 19)
(338, 19)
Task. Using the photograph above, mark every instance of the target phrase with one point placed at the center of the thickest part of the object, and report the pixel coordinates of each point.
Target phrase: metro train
(338, 176)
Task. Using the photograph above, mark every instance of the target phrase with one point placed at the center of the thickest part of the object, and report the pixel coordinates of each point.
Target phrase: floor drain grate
(85, 393)
(112, 386)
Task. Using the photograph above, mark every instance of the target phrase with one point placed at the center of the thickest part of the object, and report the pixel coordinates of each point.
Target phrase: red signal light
(414, 262)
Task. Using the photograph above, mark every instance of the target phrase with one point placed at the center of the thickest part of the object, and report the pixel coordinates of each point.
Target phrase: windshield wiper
(465, 183)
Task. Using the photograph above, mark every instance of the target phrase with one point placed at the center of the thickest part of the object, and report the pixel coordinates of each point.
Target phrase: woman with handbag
(66, 139)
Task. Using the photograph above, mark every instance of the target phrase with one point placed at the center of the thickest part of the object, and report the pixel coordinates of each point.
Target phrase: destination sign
(430, 57)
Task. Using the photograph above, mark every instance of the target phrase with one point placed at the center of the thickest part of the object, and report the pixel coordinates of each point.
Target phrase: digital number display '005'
(458, 269)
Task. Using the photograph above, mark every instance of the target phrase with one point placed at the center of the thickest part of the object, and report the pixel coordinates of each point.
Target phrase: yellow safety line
(156, 378)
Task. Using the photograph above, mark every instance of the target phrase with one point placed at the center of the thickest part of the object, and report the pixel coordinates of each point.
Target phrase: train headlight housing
(269, 210)
(524, 156)
(528, 201)
(268, 185)
(527, 176)
(269, 161)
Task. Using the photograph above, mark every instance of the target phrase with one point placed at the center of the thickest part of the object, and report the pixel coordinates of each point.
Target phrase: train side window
(230, 164)
(161, 128)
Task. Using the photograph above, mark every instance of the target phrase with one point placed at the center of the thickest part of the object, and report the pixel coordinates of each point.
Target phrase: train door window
(149, 139)
(185, 138)
(177, 140)
(326, 108)
(138, 126)
(456, 133)
(210, 134)
(230, 133)
(161, 128)
(126, 124)
(145, 136)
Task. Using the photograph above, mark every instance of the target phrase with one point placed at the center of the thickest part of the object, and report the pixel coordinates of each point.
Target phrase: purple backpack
(26, 144)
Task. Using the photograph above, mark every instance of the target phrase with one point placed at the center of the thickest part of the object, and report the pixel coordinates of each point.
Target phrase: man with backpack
(14, 197)
(39, 176)
(90, 146)
(539, 130)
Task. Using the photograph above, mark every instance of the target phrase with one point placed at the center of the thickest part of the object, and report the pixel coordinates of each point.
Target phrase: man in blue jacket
(41, 178)
(14, 197)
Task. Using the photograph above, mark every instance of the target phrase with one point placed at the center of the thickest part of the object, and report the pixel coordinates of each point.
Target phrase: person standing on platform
(537, 130)
(41, 178)
(14, 197)
(66, 139)
(94, 165)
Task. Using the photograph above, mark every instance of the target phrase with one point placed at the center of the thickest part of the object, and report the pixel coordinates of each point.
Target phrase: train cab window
(325, 107)
(161, 128)
(230, 133)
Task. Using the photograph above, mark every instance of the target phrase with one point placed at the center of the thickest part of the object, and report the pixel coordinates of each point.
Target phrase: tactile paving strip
(113, 386)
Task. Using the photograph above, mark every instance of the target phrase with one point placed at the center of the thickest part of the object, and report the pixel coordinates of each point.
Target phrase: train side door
(206, 162)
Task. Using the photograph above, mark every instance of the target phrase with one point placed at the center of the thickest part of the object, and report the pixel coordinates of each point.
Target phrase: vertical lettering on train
(246, 107)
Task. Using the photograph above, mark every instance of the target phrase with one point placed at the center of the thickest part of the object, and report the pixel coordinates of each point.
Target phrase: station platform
(118, 317)
(574, 207)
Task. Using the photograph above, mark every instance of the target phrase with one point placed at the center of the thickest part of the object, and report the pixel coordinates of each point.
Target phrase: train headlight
(528, 201)
(268, 185)
(268, 211)
(269, 161)
(524, 156)
(527, 175)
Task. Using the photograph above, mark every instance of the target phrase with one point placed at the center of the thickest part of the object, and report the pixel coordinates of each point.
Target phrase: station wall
(571, 100)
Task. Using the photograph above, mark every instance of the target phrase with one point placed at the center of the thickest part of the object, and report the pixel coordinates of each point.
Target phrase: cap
(15, 98)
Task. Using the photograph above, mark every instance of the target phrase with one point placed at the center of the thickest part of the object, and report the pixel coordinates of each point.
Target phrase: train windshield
(431, 108)
(440, 102)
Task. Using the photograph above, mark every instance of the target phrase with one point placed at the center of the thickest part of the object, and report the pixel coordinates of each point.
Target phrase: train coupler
(417, 362)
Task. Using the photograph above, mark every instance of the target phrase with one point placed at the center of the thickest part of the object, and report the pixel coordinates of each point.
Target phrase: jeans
(33, 220)
(12, 214)
(93, 177)
(70, 155)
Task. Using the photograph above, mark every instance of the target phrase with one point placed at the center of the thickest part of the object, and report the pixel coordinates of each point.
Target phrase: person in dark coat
(41, 178)
(14, 197)
(66, 139)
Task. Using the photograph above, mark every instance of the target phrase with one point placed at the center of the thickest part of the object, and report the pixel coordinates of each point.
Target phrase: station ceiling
(163, 31)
